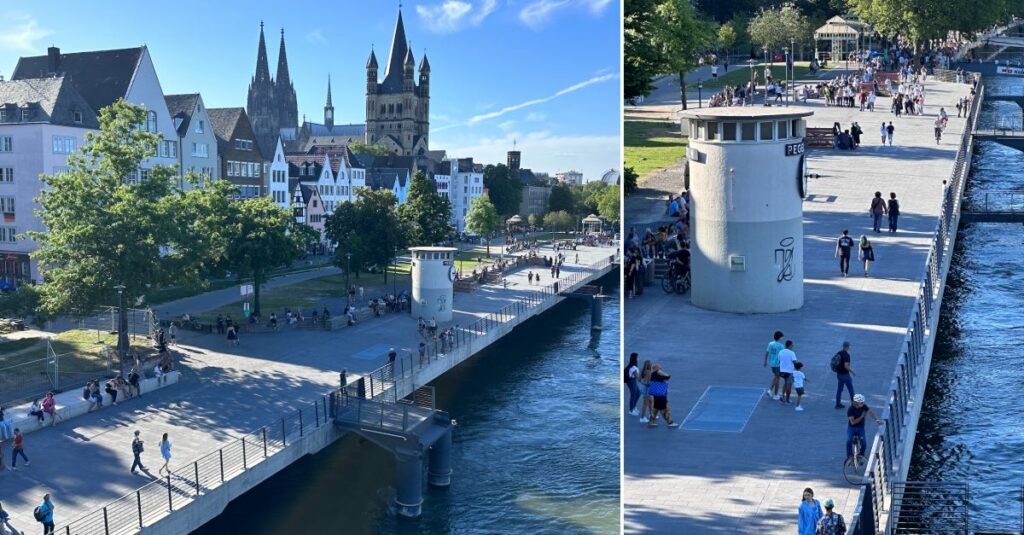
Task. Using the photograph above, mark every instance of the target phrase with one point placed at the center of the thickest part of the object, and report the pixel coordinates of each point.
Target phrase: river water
(536, 449)
(972, 425)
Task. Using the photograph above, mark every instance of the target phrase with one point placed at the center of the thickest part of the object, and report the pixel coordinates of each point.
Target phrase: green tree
(641, 56)
(22, 303)
(427, 214)
(775, 28)
(504, 189)
(362, 148)
(608, 205)
(533, 220)
(561, 199)
(629, 180)
(680, 36)
(726, 37)
(368, 229)
(483, 219)
(105, 224)
(262, 237)
(588, 196)
(559, 220)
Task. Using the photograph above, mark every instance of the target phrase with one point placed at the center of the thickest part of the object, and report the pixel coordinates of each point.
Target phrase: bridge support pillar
(439, 472)
(409, 496)
(596, 314)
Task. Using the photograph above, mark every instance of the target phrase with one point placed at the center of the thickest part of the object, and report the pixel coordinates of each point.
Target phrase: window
(7, 174)
(728, 131)
(766, 131)
(78, 117)
(7, 234)
(796, 127)
(3, 116)
(697, 129)
(712, 130)
(26, 115)
(314, 203)
(143, 175)
(783, 129)
(63, 144)
(747, 131)
(201, 150)
(151, 121)
(7, 205)
(59, 170)
(6, 143)
(168, 149)
(243, 144)
(200, 127)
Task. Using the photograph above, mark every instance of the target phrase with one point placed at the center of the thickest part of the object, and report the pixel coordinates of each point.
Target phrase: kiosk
(433, 279)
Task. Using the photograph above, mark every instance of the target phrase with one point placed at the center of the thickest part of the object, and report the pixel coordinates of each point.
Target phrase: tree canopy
(561, 199)
(483, 219)
(608, 205)
(427, 214)
(681, 35)
(559, 220)
(369, 229)
(358, 147)
(504, 189)
(776, 28)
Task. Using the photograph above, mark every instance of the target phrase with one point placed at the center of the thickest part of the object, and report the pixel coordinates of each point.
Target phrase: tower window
(382, 109)
(391, 108)
(399, 108)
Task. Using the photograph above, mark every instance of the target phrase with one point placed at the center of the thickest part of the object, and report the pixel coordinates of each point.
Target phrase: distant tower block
(433, 281)
(747, 183)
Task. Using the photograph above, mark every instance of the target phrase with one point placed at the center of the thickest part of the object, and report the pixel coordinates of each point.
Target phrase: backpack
(38, 514)
(85, 393)
(836, 361)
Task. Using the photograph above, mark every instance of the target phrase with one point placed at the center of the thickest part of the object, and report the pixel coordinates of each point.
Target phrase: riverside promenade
(227, 392)
(750, 479)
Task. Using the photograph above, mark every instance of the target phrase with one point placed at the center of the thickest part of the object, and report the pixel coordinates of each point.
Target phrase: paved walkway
(224, 393)
(699, 482)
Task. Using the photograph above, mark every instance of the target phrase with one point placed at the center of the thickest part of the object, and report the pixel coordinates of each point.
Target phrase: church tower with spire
(397, 108)
(329, 107)
(271, 105)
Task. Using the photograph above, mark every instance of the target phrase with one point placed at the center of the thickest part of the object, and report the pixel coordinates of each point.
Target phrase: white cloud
(537, 14)
(534, 102)
(536, 117)
(597, 6)
(543, 151)
(21, 33)
(454, 15)
(316, 36)
(508, 125)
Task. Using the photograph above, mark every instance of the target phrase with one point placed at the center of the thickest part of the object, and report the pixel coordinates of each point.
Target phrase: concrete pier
(748, 475)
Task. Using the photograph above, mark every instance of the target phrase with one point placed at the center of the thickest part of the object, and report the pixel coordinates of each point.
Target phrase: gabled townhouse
(277, 177)
(335, 171)
(241, 162)
(395, 180)
(103, 76)
(461, 181)
(196, 139)
(307, 206)
(42, 121)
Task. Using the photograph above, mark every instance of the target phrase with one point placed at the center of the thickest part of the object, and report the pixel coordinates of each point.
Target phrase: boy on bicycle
(855, 423)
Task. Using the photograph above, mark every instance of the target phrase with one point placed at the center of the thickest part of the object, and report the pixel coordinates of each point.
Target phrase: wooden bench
(818, 137)
(465, 285)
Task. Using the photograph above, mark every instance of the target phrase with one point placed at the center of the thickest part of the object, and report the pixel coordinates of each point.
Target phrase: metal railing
(1010, 201)
(929, 508)
(887, 453)
(400, 416)
(147, 505)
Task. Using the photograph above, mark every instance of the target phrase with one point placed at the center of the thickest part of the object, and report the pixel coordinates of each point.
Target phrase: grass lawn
(307, 294)
(81, 359)
(652, 145)
(740, 74)
(173, 293)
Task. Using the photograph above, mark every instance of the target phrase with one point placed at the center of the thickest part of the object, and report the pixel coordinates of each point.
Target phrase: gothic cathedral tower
(397, 108)
(271, 104)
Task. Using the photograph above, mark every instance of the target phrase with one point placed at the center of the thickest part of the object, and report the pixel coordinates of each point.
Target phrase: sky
(543, 74)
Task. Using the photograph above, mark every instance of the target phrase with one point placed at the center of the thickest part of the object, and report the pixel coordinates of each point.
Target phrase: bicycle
(674, 282)
(853, 466)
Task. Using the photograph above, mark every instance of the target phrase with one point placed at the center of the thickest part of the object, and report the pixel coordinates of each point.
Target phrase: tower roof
(409, 59)
(399, 49)
(282, 64)
(262, 68)
(424, 64)
(372, 62)
(329, 105)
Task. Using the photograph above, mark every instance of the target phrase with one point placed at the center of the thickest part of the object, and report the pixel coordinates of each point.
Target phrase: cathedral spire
(399, 49)
(282, 64)
(329, 90)
(262, 69)
(329, 107)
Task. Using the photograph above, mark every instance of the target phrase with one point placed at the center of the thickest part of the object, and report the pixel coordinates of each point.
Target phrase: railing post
(196, 466)
(138, 500)
(316, 413)
(220, 453)
(284, 434)
(170, 499)
(245, 460)
(106, 523)
(301, 430)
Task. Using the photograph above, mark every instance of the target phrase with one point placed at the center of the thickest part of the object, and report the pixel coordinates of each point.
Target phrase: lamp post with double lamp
(785, 52)
(348, 287)
(767, 69)
(751, 63)
(700, 96)
(122, 327)
(792, 69)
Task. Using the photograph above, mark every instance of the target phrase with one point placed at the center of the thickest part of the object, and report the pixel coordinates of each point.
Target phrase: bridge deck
(226, 392)
(750, 479)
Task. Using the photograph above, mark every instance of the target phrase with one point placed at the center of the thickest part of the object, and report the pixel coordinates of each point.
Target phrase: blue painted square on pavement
(723, 408)
(373, 352)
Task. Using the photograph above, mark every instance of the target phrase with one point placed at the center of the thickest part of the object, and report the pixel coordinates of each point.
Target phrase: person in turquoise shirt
(809, 514)
(47, 508)
(771, 358)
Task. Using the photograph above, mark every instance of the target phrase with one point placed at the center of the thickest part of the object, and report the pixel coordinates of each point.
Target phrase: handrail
(906, 388)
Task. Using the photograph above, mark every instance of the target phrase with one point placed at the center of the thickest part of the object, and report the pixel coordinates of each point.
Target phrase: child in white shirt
(798, 383)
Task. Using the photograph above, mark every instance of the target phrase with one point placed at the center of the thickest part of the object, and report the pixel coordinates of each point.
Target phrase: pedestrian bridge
(1006, 137)
(1005, 206)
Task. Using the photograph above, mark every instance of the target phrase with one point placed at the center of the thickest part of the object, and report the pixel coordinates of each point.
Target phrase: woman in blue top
(165, 452)
(809, 514)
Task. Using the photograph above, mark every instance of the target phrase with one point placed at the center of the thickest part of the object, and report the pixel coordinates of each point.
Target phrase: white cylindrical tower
(433, 279)
(746, 188)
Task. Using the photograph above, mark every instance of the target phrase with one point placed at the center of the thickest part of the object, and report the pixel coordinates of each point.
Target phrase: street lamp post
(792, 68)
(767, 70)
(751, 62)
(700, 95)
(785, 51)
(122, 327)
(394, 276)
(348, 287)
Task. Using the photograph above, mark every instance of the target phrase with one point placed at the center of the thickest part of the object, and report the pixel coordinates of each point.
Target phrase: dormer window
(77, 116)
(26, 114)
(3, 116)
(200, 127)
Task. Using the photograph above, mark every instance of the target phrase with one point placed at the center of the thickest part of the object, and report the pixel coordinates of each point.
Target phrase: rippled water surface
(972, 422)
(536, 450)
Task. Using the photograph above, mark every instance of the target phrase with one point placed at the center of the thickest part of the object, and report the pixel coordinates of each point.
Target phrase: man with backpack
(43, 514)
(831, 523)
(840, 364)
(137, 449)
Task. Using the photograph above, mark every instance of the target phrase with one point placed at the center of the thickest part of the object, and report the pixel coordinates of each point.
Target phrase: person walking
(878, 209)
(867, 254)
(787, 359)
(232, 336)
(844, 374)
(894, 212)
(165, 452)
(138, 446)
(45, 510)
(884, 132)
(632, 377)
(855, 416)
(889, 131)
(831, 523)
(18, 449)
(808, 514)
(645, 392)
(798, 384)
(771, 359)
(844, 248)
(173, 331)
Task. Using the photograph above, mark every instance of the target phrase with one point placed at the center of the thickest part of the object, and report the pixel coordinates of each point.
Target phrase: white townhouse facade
(197, 141)
(461, 181)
